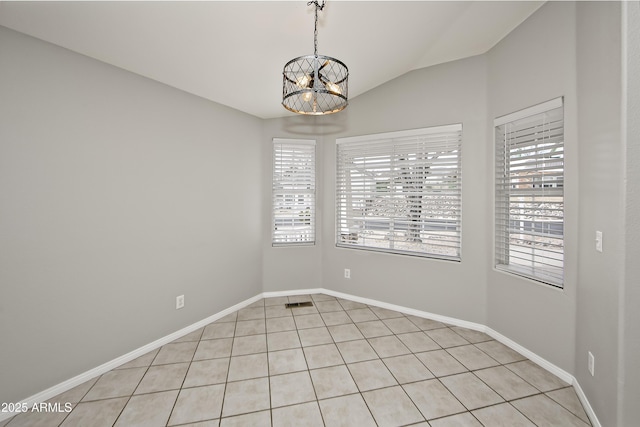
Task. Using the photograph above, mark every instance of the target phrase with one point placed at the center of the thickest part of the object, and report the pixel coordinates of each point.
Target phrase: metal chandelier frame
(315, 84)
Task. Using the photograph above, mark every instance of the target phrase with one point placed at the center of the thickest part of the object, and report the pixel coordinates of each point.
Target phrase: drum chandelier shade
(315, 84)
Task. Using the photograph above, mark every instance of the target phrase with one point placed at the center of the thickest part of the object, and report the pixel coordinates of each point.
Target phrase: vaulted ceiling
(232, 52)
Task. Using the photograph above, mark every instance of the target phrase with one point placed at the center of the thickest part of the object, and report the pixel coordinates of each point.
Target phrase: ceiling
(232, 52)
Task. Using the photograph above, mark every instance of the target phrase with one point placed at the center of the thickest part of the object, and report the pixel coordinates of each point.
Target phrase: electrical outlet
(179, 301)
(591, 363)
(599, 241)
(347, 273)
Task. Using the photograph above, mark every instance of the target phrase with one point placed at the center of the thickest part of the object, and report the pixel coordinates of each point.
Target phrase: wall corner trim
(106, 367)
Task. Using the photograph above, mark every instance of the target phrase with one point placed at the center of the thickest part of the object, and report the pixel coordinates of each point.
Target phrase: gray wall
(533, 64)
(115, 197)
(629, 374)
(286, 267)
(450, 93)
(601, 298)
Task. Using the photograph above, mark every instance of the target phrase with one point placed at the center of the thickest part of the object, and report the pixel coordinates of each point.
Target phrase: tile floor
(337, 363)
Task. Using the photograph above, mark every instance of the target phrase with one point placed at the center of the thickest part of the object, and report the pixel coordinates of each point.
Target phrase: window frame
(304, 147)
(541, 270)
(452, 132)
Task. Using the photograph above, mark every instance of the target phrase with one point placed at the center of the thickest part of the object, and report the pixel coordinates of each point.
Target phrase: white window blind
(294, 192)
(529, 210)
(400, 192)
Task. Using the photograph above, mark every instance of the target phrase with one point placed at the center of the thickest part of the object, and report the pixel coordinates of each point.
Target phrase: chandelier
(315, 84)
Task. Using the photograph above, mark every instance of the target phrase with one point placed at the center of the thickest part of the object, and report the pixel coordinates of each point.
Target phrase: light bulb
(332, 87)
(303, 81)
(307, 96)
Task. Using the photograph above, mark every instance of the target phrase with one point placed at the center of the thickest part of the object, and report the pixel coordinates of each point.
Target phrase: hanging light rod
(315, 84)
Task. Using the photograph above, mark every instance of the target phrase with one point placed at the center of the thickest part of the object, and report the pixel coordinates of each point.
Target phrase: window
(529, 238)
(400, 192)
(294, 192)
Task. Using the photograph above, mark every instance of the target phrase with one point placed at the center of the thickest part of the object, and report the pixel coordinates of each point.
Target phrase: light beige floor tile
(44, 419)
(322, 297)
(314, 336)
(544, 412)
(148, 410)
(400, 325)
(280, 324)
(327, 306)
(433, 399)
(242, 397)
(248, 366)
(251, 313)
(219, 330)
(291, 389)
(300, 298)
(277, 311)
(95, 414)
(192, 336)
(384, 313)
(537, 376)
(231, 317)
(333, 381)
(418, 342)
(249, 345)
(208, 423)
(121, 382)
(392, 407)
(207, 372)
(506, 383)
(213, 349)
(361, 315)
(460, 420)
(502, 415)
(197, 404)
(350, 305)
(345, 332)
(143, 361)
(322, 356)
(469, 390)
(303, 311)
(371, 375)
(356, 351)
(374, 329)
(305, 414)
(258, 303)
(500, 352)
(388, 346)
(286, 361)
(268, 302)
(568, 398)
(472, 357)
(425, 324)
(470, 335)
(346, 411)
(162, 378)
(336, 318)
(175, 353)
(74, 395)
(407, 369)
(250, 327)
(255, 419)
(446, 338)
(283, 340)
(441, 363)
(309, 321)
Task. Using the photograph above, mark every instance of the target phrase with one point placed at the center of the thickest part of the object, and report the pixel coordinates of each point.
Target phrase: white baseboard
(106, 367)
(545, 364)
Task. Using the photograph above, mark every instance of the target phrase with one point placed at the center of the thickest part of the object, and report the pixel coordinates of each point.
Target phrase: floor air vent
(298, 304)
